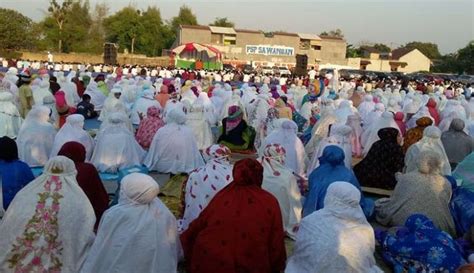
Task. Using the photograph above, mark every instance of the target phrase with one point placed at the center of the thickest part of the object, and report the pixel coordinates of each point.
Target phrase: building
(401, 60)
(240, 46)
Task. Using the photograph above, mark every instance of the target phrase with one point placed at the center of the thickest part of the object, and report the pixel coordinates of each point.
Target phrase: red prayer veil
(241, 229)
(87, 177)
(248, 172)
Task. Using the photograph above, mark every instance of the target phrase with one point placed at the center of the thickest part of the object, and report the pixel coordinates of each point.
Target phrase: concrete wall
(96, 58)
(354, 62)
(416, 61)
(333, 51)
(190, 35)
(379, 65)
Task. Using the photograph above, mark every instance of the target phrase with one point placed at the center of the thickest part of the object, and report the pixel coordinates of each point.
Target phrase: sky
(448, 23)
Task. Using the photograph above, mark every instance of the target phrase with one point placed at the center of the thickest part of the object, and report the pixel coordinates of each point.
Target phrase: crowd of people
(310, 145)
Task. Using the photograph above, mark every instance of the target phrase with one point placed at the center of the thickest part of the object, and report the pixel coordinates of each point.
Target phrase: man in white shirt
(50, 57)
(312, 73)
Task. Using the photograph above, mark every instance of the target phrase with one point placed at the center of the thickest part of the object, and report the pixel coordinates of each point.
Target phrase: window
(316, 47)
(229, 42)
(305, 44)
(229, 39)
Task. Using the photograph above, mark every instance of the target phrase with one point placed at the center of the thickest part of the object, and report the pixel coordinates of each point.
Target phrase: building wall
(354, 62)
(332, 50)
(379, 65)
(416, 61)
(189, 35)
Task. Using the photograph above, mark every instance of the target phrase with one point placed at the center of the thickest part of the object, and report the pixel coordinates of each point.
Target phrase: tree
(124, 27)
(465, 58)
(333, 33)
(152, 41)
(96, 37)
(429, 49)
(222, 22)
(383, 48)
(16, 30)
(76, 28)
(59, 13)
(185, 17)
(353, 52)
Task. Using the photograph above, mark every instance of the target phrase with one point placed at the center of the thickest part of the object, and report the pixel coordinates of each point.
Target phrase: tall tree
(353, 52)
(466, 58)
(58, 13)
(152, 41)
(16, 30)
(382, 48)
(429, 49)
(76, 27)
(333, 33)
(96, 37)
(124, 27)
(185, 17)
(222, 22)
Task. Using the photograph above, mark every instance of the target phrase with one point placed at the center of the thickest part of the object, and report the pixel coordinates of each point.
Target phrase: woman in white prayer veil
(337, 238)
(344, 111)
(258, 110)
(122, 110)
(453, 106)
(354, 122)
(205, 182)
(280, 181)
(431, 141)
(10, 119)
(248, 94)
(142, 104)
(49, 225)
(321, 129)
(340, 135)
(200, 118)
(73, 130)
(41, 92)
(285, 135)
(97, 97)
(116, 147)
(36, 137)
(422, 112)
(366, 107)
(397, 96)
(137, 235)
(393, 106)
(111, 103)
(69, 89)
(370, 135)
(174, 148)
(374, 115)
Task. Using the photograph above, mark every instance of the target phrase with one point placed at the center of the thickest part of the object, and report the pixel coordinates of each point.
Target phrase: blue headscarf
(331, 169)
(332, 95)
(420, 247)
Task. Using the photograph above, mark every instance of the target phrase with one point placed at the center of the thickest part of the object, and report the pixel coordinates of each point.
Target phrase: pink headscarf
(399, 120)
(60, 99)
(433, 112)
(149, 126)
(163, 96)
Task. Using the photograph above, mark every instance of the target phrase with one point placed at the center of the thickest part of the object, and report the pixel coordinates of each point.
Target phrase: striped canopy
(195, 47)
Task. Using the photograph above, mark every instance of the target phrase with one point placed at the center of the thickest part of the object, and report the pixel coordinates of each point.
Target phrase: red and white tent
(195, 50)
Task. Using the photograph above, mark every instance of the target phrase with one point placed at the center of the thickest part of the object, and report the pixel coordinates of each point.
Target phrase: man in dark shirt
(86, 108)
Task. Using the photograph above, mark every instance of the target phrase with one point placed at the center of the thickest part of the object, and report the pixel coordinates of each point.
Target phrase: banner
(269, 50)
